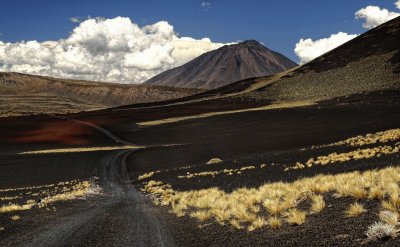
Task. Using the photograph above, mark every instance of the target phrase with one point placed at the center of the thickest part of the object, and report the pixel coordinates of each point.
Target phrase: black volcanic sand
(275, 138)
(20, 134)
(280, 137)
(39, 169)
(19, 171)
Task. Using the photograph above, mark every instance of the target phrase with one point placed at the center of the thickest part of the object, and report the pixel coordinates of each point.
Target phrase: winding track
(120, 218)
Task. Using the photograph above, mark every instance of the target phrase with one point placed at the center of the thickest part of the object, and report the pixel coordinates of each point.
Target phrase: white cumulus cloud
(308, 49)
(115, 50)
(374, 16)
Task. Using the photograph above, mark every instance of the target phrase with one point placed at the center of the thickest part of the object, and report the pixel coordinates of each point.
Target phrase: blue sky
(278, 24)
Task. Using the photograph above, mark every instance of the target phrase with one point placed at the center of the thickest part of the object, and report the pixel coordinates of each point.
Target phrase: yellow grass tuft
(389, 217)
(147, 175)
(377, 192)
(355, 209)
(257, 223)
(236, 224)
(274, 222)
(358, 193)
(318, 203)
(273, 207)
(295, 217)
(201, 215)
(391, 205)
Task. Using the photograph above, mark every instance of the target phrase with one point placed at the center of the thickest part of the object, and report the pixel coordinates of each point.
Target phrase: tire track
(122, 217)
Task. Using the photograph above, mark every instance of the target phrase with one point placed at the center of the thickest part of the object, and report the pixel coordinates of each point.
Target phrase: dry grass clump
(74, 190)
(214, 173)
(295, 216)
(241, 208)
(2, 228)
(355, 209)
(378, 137)
(393, 202)
(317, 203)
(381, 231)
(15, 207)
(358, 154)
(201, 215)
(214, 161)
(15, 217)
(274, 222)
(389, 217)
(257, 223)
(273, 207)
(235, 224)
(358, 192)
(147, 175)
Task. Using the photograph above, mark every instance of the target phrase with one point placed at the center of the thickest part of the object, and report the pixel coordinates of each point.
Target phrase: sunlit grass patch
(211, 114)
(79, 150)
(147, 175)
(27, 188)
(64, 191)
(358, 154)
(228, 172)
(78, 190)
(241, 208)
(361, 140)
(15, 207)
(355, 209)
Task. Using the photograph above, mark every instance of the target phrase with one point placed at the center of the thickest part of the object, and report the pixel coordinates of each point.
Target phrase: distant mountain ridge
(23, 94)
(225, 65)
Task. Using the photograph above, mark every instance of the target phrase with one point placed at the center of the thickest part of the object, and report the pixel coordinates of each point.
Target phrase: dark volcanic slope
(22, 94)
(225, 65)
(370, 62)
